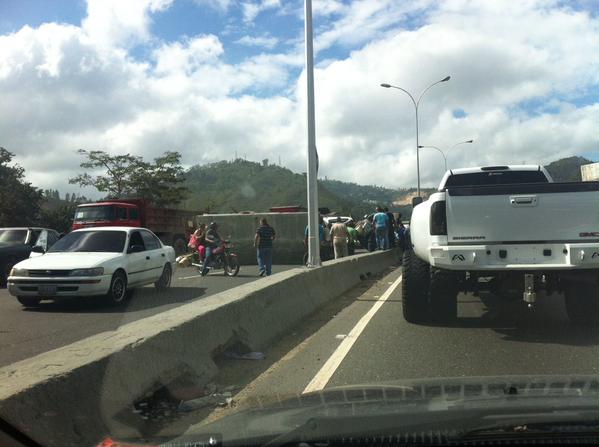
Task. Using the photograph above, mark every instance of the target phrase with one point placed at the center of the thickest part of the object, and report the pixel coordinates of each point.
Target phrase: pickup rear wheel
(443, 296)
(415, 288)
(582, 304)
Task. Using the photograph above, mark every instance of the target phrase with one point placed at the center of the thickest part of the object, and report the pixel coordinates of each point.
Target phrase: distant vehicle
(17, 244)
(332, 219)
(106, 261)
(505, 229)
(170, 225)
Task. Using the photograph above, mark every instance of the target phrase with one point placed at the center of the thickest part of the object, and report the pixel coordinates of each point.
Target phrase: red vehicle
(170, 225)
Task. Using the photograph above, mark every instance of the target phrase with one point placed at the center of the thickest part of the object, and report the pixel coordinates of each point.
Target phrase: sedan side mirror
(38, 249)
(135, 249)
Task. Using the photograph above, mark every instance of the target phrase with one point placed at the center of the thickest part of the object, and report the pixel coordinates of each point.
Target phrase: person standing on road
(213, 241)
(391, 228)
(353, 237)
(265, 234)
(380, 221)
(340, 238)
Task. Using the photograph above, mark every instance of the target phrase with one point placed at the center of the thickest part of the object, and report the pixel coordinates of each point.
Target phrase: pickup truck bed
(548, 225)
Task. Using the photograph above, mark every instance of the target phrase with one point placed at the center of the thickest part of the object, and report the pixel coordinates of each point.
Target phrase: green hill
(240, 185)
(226, 187)
(567, 169)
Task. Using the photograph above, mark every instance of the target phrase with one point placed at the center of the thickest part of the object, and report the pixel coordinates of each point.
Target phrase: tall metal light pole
(445, 153)
(312, 177)
(416, 104)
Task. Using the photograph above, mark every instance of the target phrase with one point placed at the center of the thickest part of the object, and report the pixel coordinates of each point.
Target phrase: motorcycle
(223, 258)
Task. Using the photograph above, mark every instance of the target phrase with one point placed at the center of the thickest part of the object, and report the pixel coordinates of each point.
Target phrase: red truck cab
(107, 214)
(172, 226)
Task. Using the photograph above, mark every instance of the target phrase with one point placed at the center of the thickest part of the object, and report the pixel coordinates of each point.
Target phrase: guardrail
(78, 393)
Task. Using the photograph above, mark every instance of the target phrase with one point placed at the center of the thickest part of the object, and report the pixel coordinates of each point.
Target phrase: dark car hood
(437, 404)
(19, 250)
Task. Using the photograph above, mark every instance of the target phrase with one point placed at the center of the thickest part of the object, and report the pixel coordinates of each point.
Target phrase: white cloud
(65, 87)
(268, 42)
(117, 22)
(186, 57)
(251, 9)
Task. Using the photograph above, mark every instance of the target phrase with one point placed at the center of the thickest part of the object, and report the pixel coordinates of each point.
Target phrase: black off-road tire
(164, 282)
(28, 301)
(415, 288)
(443, 296)
(582, 304)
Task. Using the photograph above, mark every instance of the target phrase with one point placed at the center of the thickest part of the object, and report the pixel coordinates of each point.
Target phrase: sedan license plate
(47, 290)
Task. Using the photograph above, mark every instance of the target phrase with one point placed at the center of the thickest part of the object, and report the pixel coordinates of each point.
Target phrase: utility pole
(312, 177)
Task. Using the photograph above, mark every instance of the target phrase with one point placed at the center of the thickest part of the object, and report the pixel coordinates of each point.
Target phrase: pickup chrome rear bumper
(541, 256)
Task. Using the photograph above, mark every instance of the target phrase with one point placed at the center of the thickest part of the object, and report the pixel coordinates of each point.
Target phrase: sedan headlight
(98, 271)
(18, 272)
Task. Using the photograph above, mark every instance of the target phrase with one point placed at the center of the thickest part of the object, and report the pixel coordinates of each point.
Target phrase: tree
(19, 201)
(125, 176)
(60, 218)
(118, 170)
(161, 182)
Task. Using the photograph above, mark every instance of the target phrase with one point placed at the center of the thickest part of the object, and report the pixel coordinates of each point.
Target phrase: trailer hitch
(530, 295)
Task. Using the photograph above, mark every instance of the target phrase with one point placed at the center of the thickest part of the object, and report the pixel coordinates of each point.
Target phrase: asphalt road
(25, 332)
(491, 337)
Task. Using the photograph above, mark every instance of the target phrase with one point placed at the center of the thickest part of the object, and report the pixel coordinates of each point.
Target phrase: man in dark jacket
(391, 227)
(265, 234)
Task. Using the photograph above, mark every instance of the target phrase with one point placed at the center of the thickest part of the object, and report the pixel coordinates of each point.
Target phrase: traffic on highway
(299, 223)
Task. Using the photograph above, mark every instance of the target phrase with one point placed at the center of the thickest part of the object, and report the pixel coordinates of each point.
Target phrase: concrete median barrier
(79, 393)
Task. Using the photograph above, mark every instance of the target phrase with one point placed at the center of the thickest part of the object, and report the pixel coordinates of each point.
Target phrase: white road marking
(190, 277)
(323, 376)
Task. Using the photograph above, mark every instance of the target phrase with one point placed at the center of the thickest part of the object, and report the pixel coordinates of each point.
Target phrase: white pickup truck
(509, 230)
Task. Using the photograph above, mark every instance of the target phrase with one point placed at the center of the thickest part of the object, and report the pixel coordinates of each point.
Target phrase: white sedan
(106, 261)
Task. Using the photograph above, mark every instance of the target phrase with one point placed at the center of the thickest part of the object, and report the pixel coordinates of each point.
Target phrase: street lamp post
(416, 104)
(446, 152)
(437, 149)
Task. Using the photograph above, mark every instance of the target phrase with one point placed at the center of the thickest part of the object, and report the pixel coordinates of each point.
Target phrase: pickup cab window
(495, 178)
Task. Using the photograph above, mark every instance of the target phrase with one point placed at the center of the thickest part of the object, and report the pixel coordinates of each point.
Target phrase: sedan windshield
(94, 213)
(91, 241)
(13, 236)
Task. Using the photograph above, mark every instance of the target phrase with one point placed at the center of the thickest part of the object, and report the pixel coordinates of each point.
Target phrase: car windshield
(185, 163)
(13, 236)
(84, 213)
(91, 241)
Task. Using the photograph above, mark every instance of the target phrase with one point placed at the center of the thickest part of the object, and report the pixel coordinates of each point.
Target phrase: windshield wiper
(557, 427)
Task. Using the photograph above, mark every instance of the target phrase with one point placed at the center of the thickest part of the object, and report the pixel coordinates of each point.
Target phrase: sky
(216, 78)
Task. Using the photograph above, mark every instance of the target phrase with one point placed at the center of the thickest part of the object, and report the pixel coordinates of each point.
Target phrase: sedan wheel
(164, 282)
(117, 294)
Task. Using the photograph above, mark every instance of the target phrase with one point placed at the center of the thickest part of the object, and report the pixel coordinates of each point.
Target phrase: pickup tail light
(438, 221)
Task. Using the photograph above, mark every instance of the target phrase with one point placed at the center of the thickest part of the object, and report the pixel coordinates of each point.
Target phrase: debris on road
(224, 399)
(247, 356)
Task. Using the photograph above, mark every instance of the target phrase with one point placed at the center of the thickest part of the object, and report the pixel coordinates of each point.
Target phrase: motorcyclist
(212, 242)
